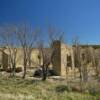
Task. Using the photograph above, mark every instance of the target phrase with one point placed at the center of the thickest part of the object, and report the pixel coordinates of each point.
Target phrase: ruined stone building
(63, 58)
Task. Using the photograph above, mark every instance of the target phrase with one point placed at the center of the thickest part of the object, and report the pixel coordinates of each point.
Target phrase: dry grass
(29, 89)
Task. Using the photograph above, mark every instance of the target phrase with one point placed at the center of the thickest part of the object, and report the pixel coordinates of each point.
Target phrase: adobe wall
(3, 60)
(19, 58)
(65, 52)
(20, 55)
(34, 58)
(0, 58)
(57, 57)
(61, 58)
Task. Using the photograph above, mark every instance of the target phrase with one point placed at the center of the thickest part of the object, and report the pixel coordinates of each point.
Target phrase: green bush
(62, 88)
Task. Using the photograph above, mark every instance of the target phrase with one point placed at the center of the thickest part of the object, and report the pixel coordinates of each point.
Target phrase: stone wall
(63, 58)
(0, 58)
(4, 60)
(57, 57)
(19, 58)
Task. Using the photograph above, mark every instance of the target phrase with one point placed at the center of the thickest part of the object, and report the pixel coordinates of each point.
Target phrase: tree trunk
(24, 74)
(13, 70)
(44, 76)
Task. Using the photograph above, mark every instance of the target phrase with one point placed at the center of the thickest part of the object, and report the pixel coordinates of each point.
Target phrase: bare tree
(86, 59)
(8, 35)
(55, 35)
(46, 56)
(77, 53)
(78, 59)
(95, 58)
(96, 61)
(85, 55)
(27, 38)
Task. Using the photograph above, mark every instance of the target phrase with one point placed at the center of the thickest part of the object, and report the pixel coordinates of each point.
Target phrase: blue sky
(74, 17)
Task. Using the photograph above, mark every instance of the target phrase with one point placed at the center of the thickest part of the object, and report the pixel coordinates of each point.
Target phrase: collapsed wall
(63, 58)
(3, 60)
(57, 57)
